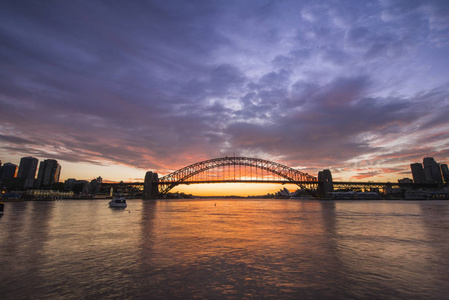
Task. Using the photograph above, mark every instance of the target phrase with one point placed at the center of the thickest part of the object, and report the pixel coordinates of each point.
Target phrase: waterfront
(225, 249)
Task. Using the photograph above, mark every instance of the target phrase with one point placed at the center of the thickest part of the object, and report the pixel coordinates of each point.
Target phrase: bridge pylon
(326, 184)
(151, 186)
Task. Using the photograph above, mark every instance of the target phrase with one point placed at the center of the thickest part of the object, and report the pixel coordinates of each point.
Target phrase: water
(225, 249)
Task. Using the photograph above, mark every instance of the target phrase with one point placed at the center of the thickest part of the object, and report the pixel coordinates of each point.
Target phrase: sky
(117, 88)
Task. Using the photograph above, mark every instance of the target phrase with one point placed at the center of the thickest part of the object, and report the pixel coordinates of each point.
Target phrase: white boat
(118, 202)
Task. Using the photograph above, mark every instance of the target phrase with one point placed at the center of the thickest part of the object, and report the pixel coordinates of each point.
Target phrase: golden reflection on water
(230, 246)
(225, 248)
(205, 228)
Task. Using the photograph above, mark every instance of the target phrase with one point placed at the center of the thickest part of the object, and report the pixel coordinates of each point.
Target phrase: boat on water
(118, 202)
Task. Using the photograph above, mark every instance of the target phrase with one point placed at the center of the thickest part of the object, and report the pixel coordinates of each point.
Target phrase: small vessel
(2, 207)
(118, 202)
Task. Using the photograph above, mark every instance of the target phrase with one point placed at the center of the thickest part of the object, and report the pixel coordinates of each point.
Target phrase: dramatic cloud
(360, 88)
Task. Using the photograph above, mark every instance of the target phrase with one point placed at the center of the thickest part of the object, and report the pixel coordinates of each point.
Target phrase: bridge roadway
(311, 187)
(340, 184)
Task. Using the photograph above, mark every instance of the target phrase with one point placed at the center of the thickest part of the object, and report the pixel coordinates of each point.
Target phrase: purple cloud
(159, 85)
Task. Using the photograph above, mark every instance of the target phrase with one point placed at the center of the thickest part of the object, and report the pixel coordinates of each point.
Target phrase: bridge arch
(184, 175)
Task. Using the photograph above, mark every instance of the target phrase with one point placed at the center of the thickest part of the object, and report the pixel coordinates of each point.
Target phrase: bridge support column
(151, 186)
(326, 184)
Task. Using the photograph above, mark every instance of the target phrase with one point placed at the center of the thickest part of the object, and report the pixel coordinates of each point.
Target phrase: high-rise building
(9, 171)
(27, 171)
(432, 170)
(445, 172)
(418, 173)
(49, 171)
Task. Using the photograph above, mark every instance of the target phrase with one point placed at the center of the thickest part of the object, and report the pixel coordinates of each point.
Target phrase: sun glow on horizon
(232, 189)
(112, 173)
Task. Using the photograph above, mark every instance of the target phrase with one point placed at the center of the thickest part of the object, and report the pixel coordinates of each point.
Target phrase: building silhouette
(418, 173)
(49, 171)
(432, 170)
(9, 172)
(405, 180)
(445, 172)
(27, 171)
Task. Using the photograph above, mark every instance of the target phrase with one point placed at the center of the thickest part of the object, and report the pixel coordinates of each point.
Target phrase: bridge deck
(238, 181)
(336, 183)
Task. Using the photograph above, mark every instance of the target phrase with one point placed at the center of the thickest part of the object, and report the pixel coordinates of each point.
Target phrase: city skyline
(27, 168)
(118, 89)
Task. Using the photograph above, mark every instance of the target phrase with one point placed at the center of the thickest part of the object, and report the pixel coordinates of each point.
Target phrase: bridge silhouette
(235, 169)
(244, 170)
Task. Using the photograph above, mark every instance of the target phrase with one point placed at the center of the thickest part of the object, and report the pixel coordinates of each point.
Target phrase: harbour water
(225, 249)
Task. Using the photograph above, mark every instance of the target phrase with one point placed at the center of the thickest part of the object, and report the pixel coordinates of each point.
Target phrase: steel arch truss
(182, 176)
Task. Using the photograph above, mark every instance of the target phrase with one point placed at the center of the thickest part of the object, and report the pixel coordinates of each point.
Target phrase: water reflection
(145, 285)
(241, 249)
(381, 248)
(342, 285)
(237, 249)
(434, 219)
(28, 234)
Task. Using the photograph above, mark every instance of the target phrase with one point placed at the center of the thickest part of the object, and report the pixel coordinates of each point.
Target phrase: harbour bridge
(235, 169)
(244, 170)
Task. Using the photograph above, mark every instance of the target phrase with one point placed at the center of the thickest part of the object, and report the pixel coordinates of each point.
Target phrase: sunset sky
(116, 88)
